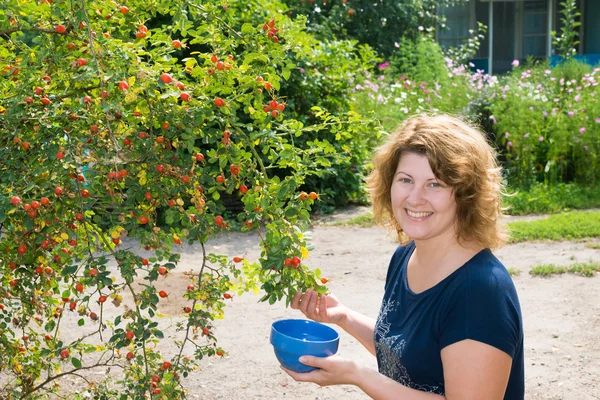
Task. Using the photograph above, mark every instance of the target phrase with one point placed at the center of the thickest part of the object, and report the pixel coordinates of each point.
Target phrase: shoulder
(485, 275)
(484, 306)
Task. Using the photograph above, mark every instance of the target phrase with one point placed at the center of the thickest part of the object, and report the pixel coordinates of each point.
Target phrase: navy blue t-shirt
(478, 301)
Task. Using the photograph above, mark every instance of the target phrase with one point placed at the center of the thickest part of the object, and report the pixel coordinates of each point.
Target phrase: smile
(418, 214)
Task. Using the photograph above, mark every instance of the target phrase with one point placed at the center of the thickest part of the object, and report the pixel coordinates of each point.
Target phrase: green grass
(566, 226)
(362, 221)
(585, 269)
(595, 246)
(514, 271)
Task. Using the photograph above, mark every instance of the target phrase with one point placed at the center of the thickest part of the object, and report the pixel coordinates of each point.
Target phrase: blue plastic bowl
(292, 338)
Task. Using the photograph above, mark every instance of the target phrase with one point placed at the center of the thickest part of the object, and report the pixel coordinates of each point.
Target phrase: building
(518, 29)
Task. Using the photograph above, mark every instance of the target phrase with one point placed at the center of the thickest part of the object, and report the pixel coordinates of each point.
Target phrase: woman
(450, 322)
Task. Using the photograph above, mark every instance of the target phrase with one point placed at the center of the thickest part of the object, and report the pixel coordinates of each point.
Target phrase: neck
(435, 252)
(429, 253)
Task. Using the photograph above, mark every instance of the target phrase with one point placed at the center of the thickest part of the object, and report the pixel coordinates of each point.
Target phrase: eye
(404, 180)
(436, 185)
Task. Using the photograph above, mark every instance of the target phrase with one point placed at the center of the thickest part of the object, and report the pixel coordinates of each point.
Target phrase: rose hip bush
(132, 123)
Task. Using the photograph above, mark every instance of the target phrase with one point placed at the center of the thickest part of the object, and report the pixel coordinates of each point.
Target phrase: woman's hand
(320, 308)
(333, 371)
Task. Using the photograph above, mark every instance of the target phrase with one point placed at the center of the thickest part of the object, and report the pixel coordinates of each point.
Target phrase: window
(457, 26)
(535, 28)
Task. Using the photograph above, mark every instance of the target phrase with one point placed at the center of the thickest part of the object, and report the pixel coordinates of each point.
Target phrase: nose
(416, 196)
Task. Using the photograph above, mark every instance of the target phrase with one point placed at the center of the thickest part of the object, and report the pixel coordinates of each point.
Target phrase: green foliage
(543, 198)
(420, 59)
(327, 72)
(566, 43)
(378, 23)
(566, 226)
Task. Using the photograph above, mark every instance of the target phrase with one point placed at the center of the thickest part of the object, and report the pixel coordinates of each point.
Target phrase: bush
(105, 122)
(547, 125)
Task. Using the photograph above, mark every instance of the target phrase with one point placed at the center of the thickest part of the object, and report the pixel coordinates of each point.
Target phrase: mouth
(418, 215)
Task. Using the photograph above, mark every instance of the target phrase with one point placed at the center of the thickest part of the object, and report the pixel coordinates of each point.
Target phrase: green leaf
(247, 28)
(69, 271)
(158, 334)
(76, 362)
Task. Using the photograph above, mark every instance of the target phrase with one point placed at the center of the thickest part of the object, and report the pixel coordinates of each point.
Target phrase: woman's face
(424, 206)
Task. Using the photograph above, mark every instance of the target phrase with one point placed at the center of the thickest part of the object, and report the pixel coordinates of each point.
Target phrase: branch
(71, 372)
(7, 32)
(218, 19)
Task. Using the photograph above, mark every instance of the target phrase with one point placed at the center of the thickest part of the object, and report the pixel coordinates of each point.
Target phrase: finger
(305, 302)
(312, 303)
(311, 361)
(296, 300)
(323, 306)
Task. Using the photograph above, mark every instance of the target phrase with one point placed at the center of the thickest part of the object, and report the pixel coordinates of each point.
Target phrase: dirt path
(561, 317)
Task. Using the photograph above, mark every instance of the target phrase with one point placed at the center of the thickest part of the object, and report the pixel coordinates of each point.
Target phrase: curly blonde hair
(461, 157)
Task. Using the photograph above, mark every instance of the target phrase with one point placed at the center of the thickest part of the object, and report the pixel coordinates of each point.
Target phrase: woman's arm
(361, 327)
(472, 371)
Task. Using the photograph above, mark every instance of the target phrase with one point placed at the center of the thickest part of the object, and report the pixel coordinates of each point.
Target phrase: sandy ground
(561, 316)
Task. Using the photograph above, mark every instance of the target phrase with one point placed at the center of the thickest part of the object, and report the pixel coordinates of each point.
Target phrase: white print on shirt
(389, 351)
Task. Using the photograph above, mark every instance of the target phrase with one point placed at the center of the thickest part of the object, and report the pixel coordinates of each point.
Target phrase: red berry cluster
(141, 32)
(269, 27)
(274, 108)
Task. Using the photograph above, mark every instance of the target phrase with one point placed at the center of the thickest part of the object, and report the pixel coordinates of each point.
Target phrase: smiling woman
(450, 324)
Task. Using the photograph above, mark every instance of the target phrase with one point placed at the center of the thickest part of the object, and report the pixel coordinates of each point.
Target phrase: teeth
(418, 215)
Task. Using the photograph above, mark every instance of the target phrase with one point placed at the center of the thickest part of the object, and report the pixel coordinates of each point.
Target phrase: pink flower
(506, 134)
(384, 65)
(509, 144)
(582, 130)
(526, 135)
(585, 148)
(570, 113)
(598, 120)
(577, 98)
(541, 139)
(515, 63)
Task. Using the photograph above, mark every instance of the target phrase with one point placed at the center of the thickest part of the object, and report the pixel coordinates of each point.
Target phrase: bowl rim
(337, 335)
